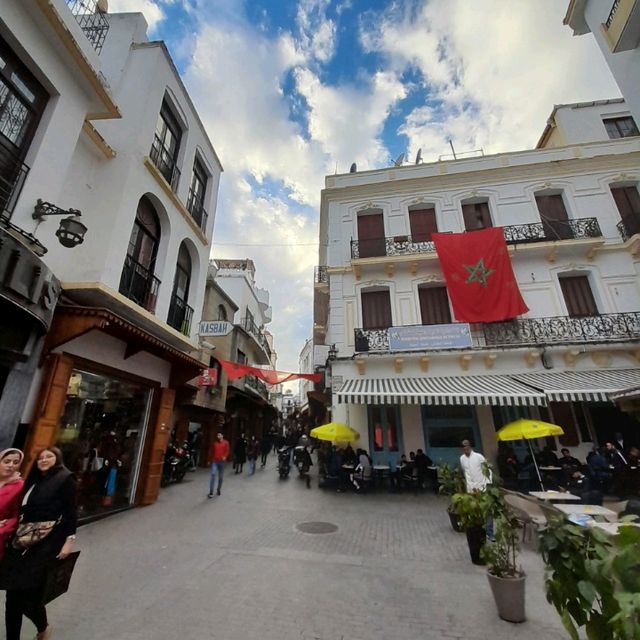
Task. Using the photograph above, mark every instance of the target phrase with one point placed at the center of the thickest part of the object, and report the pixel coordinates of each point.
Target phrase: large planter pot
(509, 596)
(455, 521)
(476, 537)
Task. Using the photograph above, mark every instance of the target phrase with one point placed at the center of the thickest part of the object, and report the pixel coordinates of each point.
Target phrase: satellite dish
(419, 156)
(399, 160)
(354, 168)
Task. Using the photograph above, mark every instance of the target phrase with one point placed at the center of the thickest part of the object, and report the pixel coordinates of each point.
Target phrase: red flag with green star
(479, 276)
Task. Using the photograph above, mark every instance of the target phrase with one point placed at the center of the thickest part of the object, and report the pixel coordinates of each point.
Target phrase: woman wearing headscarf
(49, 505)
(11, 485)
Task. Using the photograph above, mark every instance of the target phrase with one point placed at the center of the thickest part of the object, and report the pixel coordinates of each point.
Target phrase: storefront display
(101, 435)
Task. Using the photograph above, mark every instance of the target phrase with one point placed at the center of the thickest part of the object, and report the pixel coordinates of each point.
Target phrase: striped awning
(593, 386)
(446, 390)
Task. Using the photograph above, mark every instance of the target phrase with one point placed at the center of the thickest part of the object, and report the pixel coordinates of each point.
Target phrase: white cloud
(152, 11)
(317, 33)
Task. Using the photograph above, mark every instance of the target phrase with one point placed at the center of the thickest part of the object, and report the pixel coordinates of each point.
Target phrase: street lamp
(71, 231)
(332, 354)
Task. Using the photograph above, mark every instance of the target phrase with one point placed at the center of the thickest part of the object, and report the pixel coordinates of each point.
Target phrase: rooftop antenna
(399, 160)
(452, 149)
(353, 168)
(419, 156)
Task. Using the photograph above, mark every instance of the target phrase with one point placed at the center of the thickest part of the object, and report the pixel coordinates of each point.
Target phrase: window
(371, 240)
(578, 296)
(476, 216)
(179, 311)
(197, 191)
(553, 215)
(376, 309)
(166, 144)
(434, 305)
(422, 223)
(241, 357)
(628, 203)
(621, 127)
(137, 281)
(222, 312)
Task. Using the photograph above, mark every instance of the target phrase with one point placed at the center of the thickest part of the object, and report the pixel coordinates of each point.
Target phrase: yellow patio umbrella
(525, 429)
(335, 432)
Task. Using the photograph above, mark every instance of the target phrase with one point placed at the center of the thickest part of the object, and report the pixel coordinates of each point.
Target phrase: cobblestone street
(235, 567)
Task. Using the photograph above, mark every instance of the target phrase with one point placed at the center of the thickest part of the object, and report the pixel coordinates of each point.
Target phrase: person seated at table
(508, 466)
(362, 472)
(579, 485)
(547, 457)
(634, 457)
(598, 469)
(422, 461)
(568, 463)
(349, 456)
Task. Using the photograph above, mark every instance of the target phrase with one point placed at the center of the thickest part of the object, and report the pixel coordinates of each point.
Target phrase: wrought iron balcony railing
(529, 332)
(197, 210)
(251, 327)
(92, 20)
(320, 275)
(13, 173)
(166, 163)
(513, 234)
(180, 314)
(138, 284)
(257, 385)
(628, 228)
(612, 13)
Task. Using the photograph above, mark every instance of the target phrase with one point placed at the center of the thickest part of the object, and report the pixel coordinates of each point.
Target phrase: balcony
(138, 284)
(13, 173)
(165, 162)
(250, 327)
(320, 275)
(256, 385)
(197, 210)
(92, 20)
(527, 332)
(180, 315)
(622, 27)
(628, 228)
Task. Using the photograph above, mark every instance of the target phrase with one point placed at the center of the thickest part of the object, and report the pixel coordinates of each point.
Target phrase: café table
(587, 510)
(550, 468)
(613, 528)
(379, 472)
(551, 496)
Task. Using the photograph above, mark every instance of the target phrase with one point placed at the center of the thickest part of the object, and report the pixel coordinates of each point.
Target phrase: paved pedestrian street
(236, 567)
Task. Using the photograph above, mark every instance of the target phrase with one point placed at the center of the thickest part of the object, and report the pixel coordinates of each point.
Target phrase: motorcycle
(302, 461)
(284, 462)
(177, 461)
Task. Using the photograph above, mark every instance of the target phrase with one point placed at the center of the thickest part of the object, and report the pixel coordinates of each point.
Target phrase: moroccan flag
(479, 276)
(235, 370)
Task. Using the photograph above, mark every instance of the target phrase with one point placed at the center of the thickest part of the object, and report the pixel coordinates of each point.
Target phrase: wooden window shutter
(422, 223)
(553, 215)
(476, 216)
(151, 472)
(371, 240)
(51, 402)
(563, 416)
(578, 296)
(434, 305)
(628, 203)
(376, 310)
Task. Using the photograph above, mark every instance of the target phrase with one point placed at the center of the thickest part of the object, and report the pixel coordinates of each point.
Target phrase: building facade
(406, 375)
(116, 143)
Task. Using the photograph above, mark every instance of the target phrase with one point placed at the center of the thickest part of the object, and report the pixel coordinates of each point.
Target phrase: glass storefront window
(101, 434)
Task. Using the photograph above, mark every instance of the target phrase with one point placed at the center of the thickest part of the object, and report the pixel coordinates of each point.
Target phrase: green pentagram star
(478, 272)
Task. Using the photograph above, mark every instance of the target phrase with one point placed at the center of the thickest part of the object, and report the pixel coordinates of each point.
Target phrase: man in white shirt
(471, 463)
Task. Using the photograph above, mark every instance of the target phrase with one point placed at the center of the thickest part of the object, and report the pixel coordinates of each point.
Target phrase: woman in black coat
(240, 453)
(50, 495)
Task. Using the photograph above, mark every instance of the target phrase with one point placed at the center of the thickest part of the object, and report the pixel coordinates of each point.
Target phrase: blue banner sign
(212, 328)
(432, 336)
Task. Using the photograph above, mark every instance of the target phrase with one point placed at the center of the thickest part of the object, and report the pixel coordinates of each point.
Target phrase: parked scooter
(284, 461)
(302, 460)
(177, 461)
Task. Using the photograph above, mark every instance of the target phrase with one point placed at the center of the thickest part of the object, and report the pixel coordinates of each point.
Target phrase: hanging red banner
(208, 378)
(235, 370)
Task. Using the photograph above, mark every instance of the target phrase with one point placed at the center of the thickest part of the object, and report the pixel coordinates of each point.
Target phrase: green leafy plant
(501, 553)
(593, 579)
(450, 481)
(473, 508)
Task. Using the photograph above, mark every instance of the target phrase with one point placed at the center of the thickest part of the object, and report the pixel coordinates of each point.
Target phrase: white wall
(579, 124)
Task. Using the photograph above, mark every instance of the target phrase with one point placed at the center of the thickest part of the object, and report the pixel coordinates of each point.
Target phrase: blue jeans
(252, 466)
(217, 469)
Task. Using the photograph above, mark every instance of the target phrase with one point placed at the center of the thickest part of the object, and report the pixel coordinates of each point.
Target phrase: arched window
(222, 312)
(179, 311)
(138, 282)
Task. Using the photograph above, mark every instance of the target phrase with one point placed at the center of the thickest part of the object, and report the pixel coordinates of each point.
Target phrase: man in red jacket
(217, 457)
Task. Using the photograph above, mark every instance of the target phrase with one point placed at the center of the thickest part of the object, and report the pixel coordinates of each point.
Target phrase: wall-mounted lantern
(71, 231)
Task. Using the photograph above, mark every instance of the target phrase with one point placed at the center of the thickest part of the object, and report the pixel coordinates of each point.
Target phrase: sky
(292, 91)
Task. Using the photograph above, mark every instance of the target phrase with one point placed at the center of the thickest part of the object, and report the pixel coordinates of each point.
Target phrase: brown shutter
(434, 305)
(553, 215)
(51, 402)
(476, 216)
(563, 416)
(376, 310)
(371, 235)
(628, 203)
(422, 223)
(578, 296)
(152, 471)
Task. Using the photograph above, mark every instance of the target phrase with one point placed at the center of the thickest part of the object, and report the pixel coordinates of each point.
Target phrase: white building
(570, 217)
(615, 25)
(105, 127)
(305, 365)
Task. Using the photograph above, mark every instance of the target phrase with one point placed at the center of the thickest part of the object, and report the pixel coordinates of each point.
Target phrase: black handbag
(58, 577)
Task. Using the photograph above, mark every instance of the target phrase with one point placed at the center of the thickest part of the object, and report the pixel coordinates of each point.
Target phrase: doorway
(385, 434)
(445, 427)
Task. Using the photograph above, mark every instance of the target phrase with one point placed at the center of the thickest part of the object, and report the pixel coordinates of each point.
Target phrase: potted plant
(506, 578)
(451, 482)
(473, 510)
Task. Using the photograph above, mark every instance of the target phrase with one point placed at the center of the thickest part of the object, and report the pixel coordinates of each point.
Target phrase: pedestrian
(195, 445)
(253, 449)
(240, 453)
(218, 456)
(265, 447)
(11, 485)
(50, 501)
(476, 476)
